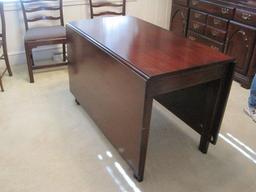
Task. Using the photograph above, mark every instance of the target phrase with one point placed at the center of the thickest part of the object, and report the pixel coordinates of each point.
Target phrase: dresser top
(144, 47)
(248, 4)
(243, 2)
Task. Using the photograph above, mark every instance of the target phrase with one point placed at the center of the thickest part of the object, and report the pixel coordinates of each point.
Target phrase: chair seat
(43, 33)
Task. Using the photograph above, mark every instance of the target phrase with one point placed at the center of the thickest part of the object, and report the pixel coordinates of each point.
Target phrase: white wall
(154, 11)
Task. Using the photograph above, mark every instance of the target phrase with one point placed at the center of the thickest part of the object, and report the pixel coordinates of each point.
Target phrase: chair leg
(64, 52)
(1, 85)
(29, 63)
(6, 59)
(32, 59)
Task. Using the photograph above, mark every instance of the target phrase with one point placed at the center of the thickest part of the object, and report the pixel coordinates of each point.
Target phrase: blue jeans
(252, 98)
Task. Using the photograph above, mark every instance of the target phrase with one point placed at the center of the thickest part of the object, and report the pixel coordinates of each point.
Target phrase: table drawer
(181, 2)
(217, 22)
(245, 17)
(213, 8)
(201, 39)
(198, 16)
(215, 34)
(197, 26)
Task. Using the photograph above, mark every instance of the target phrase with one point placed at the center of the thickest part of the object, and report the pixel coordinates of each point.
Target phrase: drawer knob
(214, 33)
(195, 26)
(194, 2)
(246, 16)
(197, 15)
(192, 38)
(214, 47)
(244, 34)
(216, 21)
(225, 10)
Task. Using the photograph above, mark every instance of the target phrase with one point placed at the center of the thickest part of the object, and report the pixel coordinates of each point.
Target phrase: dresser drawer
(217, 22)
(181, 2)
(198, 16)
(201, 39)
(215, 34)
(245, 17)
(213, 8)
(197, 26)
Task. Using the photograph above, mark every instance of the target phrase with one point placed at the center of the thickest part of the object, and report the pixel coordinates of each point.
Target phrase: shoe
(251, 112)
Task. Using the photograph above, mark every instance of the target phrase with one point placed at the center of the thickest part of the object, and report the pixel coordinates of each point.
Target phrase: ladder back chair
(43, 10)
(3, 45)
(104, 4)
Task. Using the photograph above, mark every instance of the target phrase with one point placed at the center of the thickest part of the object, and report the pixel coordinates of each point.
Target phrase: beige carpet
(49, 144)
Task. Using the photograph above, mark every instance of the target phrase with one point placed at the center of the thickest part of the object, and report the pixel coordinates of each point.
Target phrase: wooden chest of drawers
(225, 25)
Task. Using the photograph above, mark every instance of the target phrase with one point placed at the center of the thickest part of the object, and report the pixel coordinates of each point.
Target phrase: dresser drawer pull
(246, 16)
(243, 33)
(196, 26)
(216, 21)
(214, 33)
(214, 47)
(194, 2)
(197, 15)
(192, 38)
(225, 10)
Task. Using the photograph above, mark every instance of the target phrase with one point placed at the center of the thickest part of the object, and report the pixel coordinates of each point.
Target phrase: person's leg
(252, 98)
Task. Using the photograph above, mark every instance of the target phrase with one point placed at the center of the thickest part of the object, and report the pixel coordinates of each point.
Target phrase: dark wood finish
(181, 2)
(179, 20)
(206, 41)
(247, 17)
(197, 27)
(30, 9)
(33, 6)
(226, 25)
(3, 45)
(215, 34)
(213, 8)
(95, 5)
(195, 86)
(240, 44)
(198, 16)
(217, 22)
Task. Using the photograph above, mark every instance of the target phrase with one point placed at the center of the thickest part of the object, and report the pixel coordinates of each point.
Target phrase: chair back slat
(41, 8)
(107, 4)
(95, 5)
(106, 13)
(49, 9)
(35, 1)
(43, 17)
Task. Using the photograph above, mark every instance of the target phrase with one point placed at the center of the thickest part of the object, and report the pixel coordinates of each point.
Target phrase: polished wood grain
(226, 25)
(143, 45)
(115, 77)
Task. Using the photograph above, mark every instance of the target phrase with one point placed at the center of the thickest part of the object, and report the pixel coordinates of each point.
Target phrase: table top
(147, 49)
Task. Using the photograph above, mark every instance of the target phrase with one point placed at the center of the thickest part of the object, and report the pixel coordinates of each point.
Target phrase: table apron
(171, 82)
